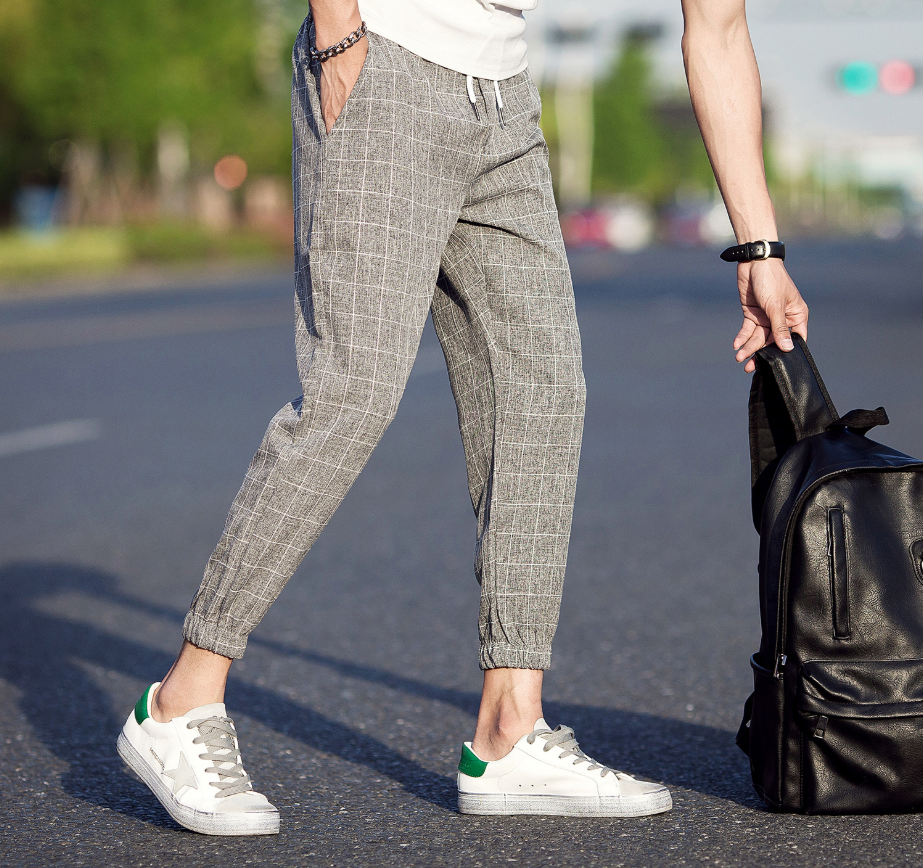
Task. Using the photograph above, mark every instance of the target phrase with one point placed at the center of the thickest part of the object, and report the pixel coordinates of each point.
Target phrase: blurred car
(698, 222)
(624, 225)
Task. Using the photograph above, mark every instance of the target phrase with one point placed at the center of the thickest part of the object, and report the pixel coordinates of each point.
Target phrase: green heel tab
(141, 713)
(469, 764)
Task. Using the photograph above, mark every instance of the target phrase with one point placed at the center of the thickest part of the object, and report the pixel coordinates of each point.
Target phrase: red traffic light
(897, 77)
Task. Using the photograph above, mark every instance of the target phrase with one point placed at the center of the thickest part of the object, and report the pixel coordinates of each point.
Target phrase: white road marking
(46, 436)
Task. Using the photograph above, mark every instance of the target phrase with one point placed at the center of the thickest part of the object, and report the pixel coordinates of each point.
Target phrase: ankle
(495, 740)
(510, 705)
(198, 677)
(162, 710)
(167, 703)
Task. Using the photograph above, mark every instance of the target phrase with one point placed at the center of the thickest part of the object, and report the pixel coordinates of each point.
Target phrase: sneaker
(547, 773)
(192, 764)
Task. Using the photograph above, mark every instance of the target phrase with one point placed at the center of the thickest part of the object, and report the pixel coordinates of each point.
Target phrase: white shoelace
(218, 734)
(563, 737)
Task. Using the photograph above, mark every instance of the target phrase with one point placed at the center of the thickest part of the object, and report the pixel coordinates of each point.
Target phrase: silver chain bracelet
(339, 47)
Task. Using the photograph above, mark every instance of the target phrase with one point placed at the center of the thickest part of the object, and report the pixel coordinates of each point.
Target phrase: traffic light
(859, 77)
(897, 77)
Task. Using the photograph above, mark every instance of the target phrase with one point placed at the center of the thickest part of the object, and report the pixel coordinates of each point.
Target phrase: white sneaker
(547, 773)
(192, 764)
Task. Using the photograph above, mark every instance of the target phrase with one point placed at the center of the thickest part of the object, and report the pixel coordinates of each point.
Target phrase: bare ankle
(495, 742)
(198, 677)
(158, 712)
(510, 705)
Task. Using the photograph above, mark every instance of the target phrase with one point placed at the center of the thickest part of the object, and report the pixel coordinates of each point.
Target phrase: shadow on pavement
(50, 659)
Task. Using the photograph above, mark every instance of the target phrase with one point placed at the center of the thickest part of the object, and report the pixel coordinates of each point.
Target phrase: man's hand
(338, 77)
(772, 306)
(334, 20)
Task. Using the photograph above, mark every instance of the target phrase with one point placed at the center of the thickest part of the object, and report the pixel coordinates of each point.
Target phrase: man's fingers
(759, 336)
(801, 328)
(744, 334)
(781, 333)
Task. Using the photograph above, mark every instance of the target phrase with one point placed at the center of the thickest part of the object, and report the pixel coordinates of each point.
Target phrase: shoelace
(563, 737)
(218, 734)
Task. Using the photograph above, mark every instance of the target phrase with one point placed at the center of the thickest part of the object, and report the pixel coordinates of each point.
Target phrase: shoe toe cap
(245, 803)
(631, 787)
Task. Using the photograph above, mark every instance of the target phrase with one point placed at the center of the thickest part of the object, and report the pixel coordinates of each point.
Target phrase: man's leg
(369, 239)
(376, 199)
(505, 315)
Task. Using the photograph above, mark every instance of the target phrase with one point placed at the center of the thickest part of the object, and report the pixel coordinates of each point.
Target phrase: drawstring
(474, 102)
(469, 81)
(499, 102)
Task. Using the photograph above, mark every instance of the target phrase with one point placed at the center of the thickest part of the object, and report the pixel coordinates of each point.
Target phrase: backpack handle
(788, 402)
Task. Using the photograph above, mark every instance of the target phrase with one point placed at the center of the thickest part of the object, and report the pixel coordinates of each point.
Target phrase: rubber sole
(255, 823)
(657, 802)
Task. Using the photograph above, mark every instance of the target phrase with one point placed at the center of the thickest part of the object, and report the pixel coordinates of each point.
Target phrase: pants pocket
(356, 93)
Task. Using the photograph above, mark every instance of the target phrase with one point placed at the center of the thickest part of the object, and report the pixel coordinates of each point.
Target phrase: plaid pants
(419, 200)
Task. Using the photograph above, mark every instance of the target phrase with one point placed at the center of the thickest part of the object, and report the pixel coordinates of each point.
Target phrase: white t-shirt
(474, 37)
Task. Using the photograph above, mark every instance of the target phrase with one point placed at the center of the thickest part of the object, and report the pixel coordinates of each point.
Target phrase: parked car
(622, 225)
(697, 222)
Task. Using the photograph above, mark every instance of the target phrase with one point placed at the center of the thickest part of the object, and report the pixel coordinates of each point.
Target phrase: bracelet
(755, 250)
(339, 48)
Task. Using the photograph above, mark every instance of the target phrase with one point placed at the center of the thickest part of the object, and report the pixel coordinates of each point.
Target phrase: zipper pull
(780, 665)
(820, 728)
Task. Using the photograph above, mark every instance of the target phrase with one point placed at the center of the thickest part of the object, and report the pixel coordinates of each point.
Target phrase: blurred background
(146, 338)
(147, 132)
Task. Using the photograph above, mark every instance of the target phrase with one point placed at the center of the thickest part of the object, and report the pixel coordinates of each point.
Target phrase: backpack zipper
(781, 660)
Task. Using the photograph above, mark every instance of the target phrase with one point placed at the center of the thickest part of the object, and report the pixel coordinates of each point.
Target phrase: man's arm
(724, 83)
(334, 20)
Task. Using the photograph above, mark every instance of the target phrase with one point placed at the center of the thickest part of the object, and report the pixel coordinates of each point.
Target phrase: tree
(113, 72)
(646, 142)
(628, 150)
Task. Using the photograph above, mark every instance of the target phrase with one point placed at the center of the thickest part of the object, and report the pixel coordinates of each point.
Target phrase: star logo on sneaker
(183, 775)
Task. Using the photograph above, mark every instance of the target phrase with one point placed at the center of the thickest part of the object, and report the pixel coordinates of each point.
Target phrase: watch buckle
(766, 250)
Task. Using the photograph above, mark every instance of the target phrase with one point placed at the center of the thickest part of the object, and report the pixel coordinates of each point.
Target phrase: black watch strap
(754, 250)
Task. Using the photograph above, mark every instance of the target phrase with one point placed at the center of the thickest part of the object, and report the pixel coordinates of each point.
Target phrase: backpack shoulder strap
(788, 402)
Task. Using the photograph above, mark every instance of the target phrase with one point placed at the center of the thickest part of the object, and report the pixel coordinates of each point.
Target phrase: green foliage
(91, 249)
(99, 249)
(176, 242)
(629, 146)
(644, 143)
(113, 72)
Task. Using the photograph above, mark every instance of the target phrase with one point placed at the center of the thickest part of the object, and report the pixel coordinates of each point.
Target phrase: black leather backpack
(835, 720)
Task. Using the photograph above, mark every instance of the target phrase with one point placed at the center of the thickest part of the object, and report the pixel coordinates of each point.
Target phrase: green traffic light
(858, 77)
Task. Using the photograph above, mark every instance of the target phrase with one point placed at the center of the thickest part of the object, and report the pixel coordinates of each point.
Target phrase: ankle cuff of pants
(207, 635)
(507, 657)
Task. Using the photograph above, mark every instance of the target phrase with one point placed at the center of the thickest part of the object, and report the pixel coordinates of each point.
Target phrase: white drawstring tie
(469, 81)
(472, 97)
(499, 102)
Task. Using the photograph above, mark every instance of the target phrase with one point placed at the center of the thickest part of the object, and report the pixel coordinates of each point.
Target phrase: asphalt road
(126, 423)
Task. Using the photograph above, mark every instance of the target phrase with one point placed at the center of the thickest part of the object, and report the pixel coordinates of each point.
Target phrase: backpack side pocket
(765, 738)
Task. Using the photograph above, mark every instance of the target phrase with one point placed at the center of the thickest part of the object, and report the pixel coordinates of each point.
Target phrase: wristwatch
(755, 250)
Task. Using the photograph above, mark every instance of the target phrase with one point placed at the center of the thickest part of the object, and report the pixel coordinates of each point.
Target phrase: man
(421, 183)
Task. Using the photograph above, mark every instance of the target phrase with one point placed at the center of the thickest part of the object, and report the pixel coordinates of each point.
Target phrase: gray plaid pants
(418, 201)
